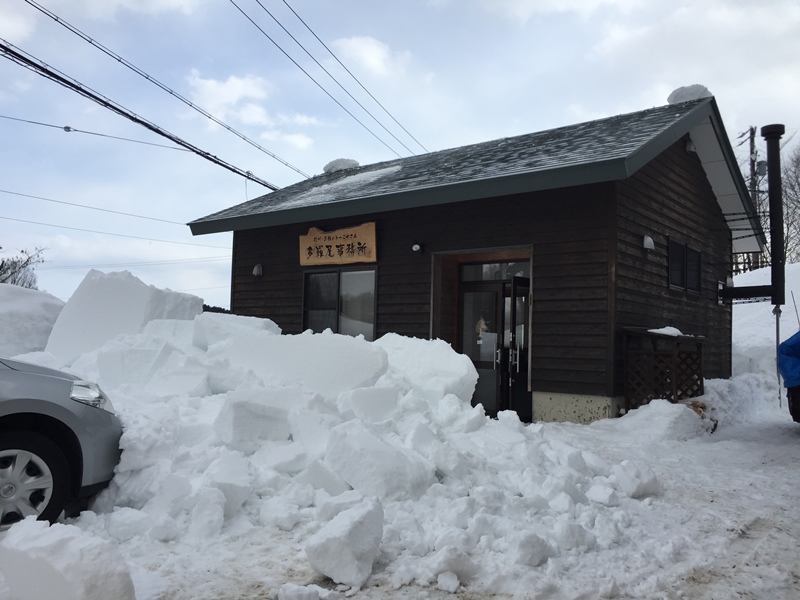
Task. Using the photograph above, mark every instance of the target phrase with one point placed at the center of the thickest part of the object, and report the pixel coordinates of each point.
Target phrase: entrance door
(494, 334)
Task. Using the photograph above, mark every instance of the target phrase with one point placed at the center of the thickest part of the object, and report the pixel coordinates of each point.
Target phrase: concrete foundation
(574, 408)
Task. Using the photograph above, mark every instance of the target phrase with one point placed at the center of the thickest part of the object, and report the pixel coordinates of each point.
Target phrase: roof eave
(529, 181)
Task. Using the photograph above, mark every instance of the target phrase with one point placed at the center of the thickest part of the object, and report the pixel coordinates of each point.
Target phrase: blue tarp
(789, 360)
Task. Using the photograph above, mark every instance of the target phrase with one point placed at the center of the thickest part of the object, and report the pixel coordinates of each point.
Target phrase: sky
(448, 73)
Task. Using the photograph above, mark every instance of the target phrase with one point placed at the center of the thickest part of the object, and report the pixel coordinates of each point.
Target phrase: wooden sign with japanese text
(340, 247)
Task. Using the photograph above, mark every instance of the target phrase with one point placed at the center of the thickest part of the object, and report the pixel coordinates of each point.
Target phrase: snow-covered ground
(259, 465)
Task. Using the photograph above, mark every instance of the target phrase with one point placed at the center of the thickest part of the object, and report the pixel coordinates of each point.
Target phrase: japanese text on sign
(339, 247)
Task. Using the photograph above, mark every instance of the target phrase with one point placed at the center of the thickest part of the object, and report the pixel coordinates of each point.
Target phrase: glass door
(481, 331)
(518, 311)
(495, 317)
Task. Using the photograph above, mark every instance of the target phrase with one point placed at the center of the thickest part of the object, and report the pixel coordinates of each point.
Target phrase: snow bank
(754, 338)
(26, 319)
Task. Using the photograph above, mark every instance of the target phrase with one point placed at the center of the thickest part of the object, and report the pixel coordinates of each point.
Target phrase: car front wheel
(34, 478)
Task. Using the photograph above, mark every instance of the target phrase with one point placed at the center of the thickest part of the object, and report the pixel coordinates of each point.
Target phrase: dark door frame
(446, 302)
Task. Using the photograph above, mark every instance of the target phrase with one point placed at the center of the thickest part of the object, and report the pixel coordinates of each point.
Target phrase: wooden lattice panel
(658, 366)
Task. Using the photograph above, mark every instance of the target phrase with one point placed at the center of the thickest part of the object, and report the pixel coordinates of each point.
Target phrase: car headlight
(89, 393)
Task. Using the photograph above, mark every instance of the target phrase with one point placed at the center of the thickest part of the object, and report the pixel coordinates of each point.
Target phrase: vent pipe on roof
(776, 290)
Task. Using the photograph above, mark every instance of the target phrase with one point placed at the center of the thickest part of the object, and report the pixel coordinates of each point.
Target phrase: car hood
(18, 365)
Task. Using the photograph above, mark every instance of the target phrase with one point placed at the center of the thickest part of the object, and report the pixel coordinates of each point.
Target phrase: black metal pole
(772, 134)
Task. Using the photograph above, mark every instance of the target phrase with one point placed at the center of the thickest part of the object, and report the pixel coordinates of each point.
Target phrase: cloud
(297, 119)
(16, 24)
(100, 9)
(226, 99)
(523, 10)
(371, 55)
(298, 140)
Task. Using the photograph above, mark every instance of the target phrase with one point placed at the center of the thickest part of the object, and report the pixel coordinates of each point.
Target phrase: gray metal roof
(602, 150)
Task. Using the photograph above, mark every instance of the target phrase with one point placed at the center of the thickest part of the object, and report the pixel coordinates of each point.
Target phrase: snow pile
(316, 465)
(754, 349)
(339, 164)
(365, 457)
(689, 92)
(26, 319)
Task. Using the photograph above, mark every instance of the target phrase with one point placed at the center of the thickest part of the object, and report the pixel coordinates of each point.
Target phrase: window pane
(321, 295)
(321, 291)
(357, 303)
(320, 320)
(495, 271)
(479, 336)
(693, 270)
(677, 264)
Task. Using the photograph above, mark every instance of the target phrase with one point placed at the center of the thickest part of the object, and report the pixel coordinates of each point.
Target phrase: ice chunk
(231, 475)
(283, 457)
(636, 481)
(320, 476)
(312, 429)
(345, 548)
(530, 549)
(125, 523)
(262, 414)
(369, 404)
(62, 561)
(326, 364)
(603, 494)
(450, 559)
(430, 366)
(373, 466)
(211, 328)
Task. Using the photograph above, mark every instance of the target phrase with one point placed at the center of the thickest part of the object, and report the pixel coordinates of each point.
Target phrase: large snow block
(64, 562)
(312, 429)
(211, 328)
(375, 467)
(430, 366)
(252, 415)
(26, 319)
(107, 305)
(326, 364)
(345, 548)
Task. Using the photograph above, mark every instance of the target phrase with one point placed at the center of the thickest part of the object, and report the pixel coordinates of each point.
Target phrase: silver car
(59, 442)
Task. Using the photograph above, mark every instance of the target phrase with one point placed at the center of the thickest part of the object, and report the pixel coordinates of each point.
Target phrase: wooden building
(534, 255)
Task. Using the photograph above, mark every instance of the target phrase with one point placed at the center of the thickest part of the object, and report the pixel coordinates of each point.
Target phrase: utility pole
(755, 257)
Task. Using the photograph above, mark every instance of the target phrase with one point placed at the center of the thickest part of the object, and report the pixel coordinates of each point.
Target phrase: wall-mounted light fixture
(690, 147)
(648, 243)
(258, 271)
(416, 248)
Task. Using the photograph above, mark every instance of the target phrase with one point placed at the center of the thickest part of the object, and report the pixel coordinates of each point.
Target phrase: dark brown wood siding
(671, 198)
(565, 231)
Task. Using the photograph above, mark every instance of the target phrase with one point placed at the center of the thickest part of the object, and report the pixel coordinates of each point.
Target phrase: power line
(136, 264)
(69, 129)
(164, 87)
(116, 212)
(354, 77)
(319, 85)
(22, 58)
(336, 81)
(114, 234)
